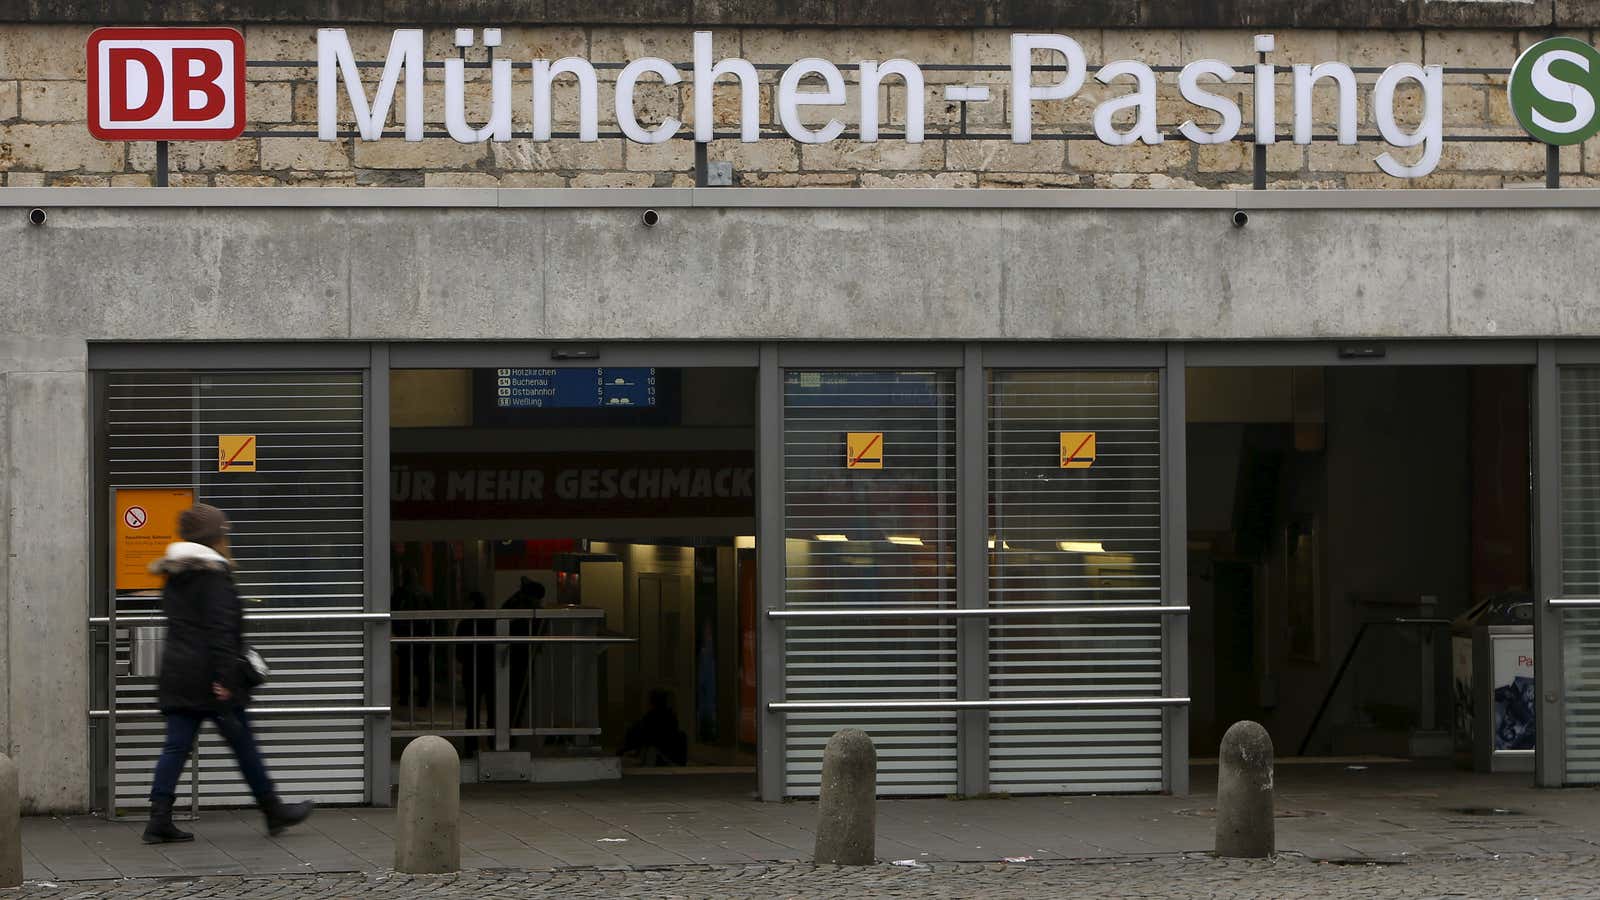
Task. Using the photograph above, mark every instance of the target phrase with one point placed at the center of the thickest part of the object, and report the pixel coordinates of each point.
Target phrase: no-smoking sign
(145, 521)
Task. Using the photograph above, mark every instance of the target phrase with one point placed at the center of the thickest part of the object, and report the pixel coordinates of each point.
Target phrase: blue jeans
(234, 725)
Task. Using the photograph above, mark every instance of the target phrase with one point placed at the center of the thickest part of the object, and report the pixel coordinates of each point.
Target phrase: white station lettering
(799, 85)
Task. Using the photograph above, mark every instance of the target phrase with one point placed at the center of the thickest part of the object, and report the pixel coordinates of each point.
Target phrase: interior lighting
(744, 542)
(908, 540)
(832, 538)
(1081, 546)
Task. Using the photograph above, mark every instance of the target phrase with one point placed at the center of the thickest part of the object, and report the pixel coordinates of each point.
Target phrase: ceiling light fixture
(1081, 546)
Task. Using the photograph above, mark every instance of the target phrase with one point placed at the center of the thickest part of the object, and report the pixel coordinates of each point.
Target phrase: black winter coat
(205, 631)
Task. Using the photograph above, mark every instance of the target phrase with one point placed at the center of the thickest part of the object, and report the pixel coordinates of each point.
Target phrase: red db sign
(166, 84)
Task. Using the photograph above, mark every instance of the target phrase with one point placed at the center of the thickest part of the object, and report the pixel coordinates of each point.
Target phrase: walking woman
(204, 673)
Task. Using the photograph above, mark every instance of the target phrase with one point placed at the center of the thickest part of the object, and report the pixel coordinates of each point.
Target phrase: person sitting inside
(475, 663)
(656, 737)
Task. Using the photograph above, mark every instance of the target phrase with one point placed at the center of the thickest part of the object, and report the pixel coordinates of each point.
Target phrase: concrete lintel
(1531, 198)
(793, 198)
(818, 274)
(246, 198)
(595, 198)
(36, 353)
(959, 198)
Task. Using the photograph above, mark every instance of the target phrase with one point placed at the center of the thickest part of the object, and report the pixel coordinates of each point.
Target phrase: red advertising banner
(660, 484)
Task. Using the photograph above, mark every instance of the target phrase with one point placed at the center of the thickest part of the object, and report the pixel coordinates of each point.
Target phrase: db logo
(166, 84)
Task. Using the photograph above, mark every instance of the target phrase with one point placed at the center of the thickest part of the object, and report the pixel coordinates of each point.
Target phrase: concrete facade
(501, 250)
(43, 567)
(777, 269)
(209, 265)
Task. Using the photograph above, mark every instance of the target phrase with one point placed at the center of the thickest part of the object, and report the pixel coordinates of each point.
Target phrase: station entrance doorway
(1354, 532)
(573, 569)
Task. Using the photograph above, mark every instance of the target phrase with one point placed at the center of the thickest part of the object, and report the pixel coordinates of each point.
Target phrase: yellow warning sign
(147, 521)
(236, 453)
(1077, 449)
(863, 450)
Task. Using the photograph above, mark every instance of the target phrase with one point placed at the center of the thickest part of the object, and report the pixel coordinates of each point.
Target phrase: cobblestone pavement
(1180, 876)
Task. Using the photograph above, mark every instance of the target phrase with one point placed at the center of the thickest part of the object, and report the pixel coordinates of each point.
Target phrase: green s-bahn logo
(1554, 90)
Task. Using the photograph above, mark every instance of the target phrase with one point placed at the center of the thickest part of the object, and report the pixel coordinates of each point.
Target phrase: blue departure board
(598, 388)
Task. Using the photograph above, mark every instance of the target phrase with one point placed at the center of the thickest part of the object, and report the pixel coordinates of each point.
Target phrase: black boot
(161, 830)
(281, 815)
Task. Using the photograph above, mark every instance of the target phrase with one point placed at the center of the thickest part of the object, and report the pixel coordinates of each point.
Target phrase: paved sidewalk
(710, 824)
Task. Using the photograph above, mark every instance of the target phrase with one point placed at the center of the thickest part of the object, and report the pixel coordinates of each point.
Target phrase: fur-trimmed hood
(185, 556)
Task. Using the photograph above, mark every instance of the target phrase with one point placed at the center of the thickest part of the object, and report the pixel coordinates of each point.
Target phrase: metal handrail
(156, 619)
(977, 612)
(1051, 703)
(1344, 665)
(450, 615)
(1575, 602)
(257, 711)
(519, 639)
(445, 615)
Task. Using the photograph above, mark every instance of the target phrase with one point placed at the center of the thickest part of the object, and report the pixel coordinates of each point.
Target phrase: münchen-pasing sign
(188, 84)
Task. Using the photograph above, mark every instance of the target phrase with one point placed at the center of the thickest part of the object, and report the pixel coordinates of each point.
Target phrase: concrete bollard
(847, 810)
(10, 825)
(427, 838)
(1245, 827)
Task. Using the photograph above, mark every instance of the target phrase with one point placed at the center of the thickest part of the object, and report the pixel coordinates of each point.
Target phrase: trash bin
(144, 655)
(1495, 701)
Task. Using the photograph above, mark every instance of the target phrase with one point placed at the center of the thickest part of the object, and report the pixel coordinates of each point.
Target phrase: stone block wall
(44, 140)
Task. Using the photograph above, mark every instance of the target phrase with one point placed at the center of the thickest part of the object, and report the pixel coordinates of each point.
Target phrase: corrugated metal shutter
(1067, 537)
(1580, 568)
(299, 526)
(871, 538)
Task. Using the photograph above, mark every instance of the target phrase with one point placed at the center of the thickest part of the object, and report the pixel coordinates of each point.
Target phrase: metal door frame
(759, 358)
(1163, 359)
(572, 354)
(971, 362)
(1539, 358)
(224, 356)
(1550, 749)
(776, 360)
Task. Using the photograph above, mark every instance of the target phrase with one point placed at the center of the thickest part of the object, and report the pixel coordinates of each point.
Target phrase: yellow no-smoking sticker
(1077, 449)
(236, 453)
(863, 450)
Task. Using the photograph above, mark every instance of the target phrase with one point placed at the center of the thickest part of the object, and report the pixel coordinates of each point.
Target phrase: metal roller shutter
(878, 538)
(299, 534)
(1580, 568)
(1070, 537)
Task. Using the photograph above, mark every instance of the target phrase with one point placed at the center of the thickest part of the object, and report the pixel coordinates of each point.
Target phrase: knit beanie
(203, 524)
